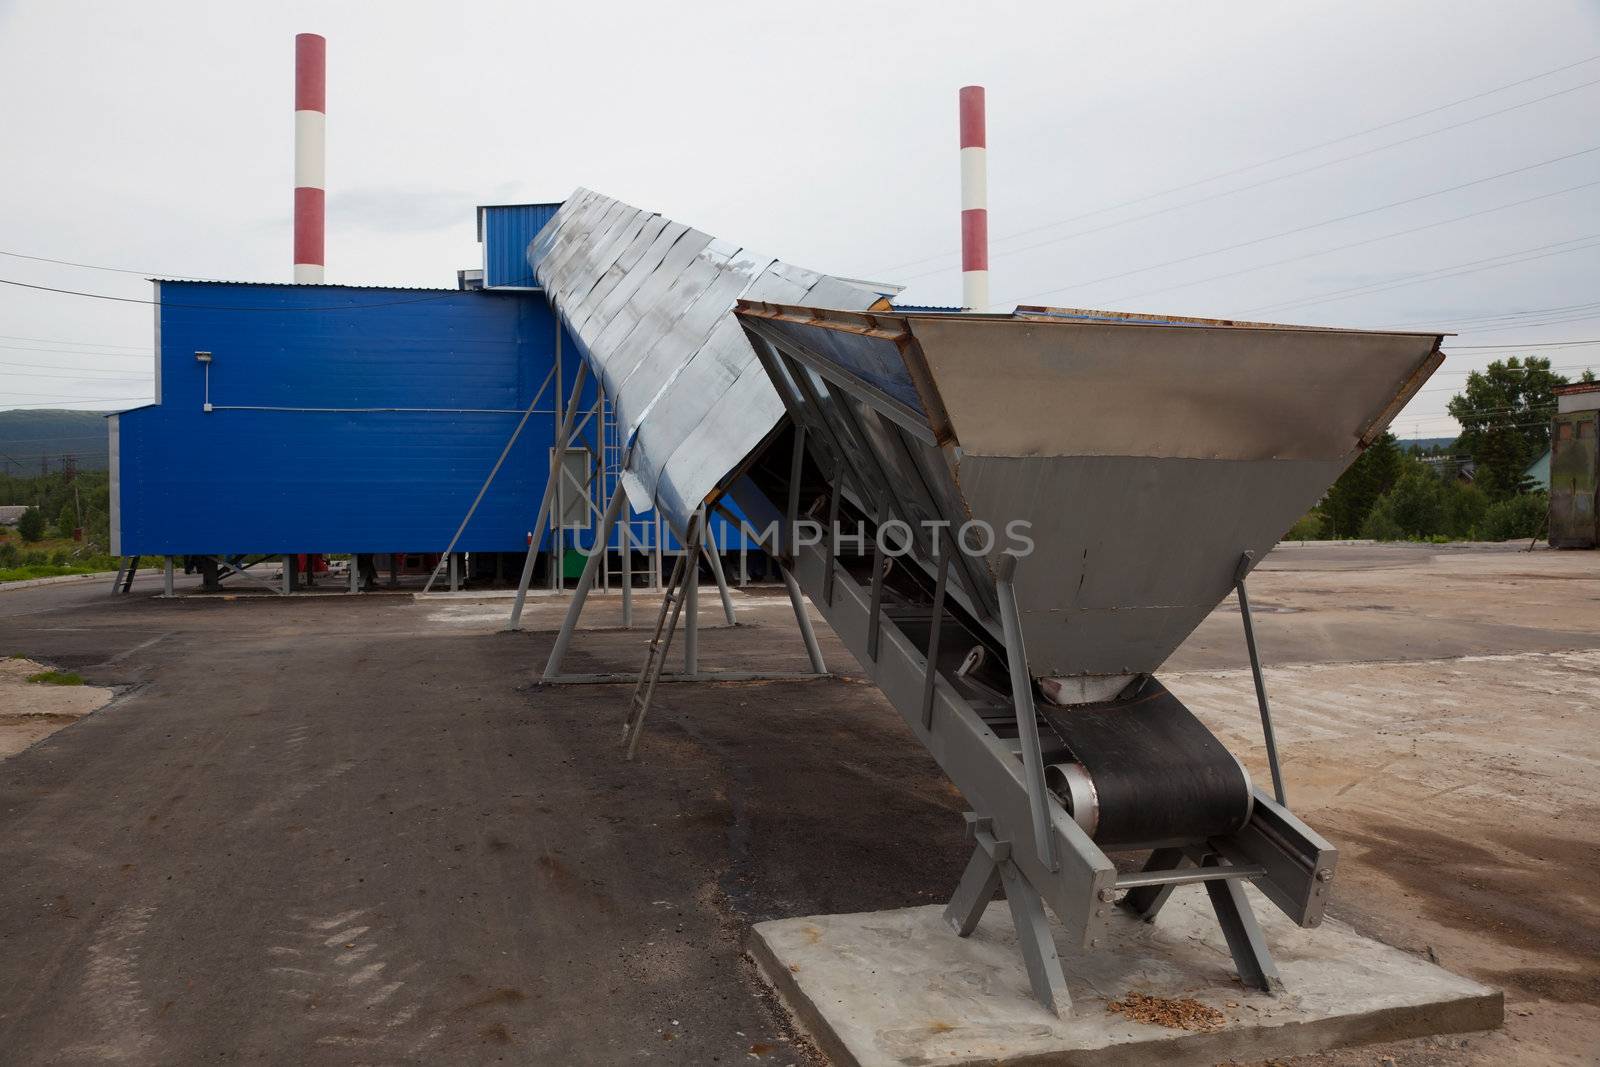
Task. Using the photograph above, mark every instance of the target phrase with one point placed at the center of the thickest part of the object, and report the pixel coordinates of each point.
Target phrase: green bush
(1310, 527)
(1524, 515)
(9, 556)
(60, 558)
(1380, 524)
(1416, 503)
(30, 526)
(1464, 508)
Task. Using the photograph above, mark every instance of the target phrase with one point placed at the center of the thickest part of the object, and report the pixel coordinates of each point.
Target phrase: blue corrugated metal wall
(321, 471)
(506, 230)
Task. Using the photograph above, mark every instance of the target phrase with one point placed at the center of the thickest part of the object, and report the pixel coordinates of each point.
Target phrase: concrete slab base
(898, 987)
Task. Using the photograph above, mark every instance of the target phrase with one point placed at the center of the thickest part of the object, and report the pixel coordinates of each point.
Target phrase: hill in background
(1422, 444)
(29, 437)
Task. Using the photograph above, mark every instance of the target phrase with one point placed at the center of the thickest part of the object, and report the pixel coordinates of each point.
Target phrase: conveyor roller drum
(1146, 773)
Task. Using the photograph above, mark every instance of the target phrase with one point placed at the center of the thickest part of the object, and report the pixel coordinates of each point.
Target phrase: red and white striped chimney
(974, 201)
(310, 134)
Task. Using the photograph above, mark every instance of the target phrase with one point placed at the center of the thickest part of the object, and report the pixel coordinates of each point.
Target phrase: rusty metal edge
(1419, 376)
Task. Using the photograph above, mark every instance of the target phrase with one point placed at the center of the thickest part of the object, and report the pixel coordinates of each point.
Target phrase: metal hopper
(1141, 456)
(1109, 480)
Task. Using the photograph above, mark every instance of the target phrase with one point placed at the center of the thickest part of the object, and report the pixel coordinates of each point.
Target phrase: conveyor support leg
(991, 868)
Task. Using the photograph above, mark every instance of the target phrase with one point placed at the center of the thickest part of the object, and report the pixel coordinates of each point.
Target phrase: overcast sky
(157, 137)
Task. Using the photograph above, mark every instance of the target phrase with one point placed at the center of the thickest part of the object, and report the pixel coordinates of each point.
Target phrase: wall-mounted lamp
(205, 358)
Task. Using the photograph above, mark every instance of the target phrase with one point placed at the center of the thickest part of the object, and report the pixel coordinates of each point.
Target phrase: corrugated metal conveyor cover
(648, 302)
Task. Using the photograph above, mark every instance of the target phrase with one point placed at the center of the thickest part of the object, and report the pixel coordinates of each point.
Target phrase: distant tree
(1416, 503)
(1587, 375)
(1505, 420)
(31, 525)
(66, 520)
(1464, 508)
(1517, 517)
(1374, 473)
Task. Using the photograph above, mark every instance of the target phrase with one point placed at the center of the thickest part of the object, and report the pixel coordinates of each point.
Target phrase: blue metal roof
(505, 230)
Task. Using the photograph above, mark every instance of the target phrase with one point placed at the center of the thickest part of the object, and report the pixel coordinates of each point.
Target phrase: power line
(1437, 274)
(1336, 248)
(1535, 344)
(77, 352)
(68, 396)
(1315, 225)
(69, 368)
(219, 307)
(114, 270)
(1484, 319)
(92, 400)
(50, 341)
(1263, 163)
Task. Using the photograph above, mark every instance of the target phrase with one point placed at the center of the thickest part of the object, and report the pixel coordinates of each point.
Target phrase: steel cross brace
(990, 869)
(1248, 946)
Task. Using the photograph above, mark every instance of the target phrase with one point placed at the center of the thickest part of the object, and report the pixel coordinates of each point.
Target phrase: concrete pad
(899, 988)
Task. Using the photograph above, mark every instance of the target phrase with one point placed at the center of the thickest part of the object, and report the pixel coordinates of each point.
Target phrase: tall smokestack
(974, 201)
(310, 134)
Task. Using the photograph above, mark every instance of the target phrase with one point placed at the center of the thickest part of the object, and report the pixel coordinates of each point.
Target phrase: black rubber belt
(1160, 776)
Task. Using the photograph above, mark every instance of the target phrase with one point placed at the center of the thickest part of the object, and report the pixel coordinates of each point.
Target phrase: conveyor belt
(1159, 776)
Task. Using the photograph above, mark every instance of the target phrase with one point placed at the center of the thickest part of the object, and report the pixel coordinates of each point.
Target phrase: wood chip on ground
(1184, 1013)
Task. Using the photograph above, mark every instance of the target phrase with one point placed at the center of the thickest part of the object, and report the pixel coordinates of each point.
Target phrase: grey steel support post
(714, 557)
(691, 598)
(875, 623)
(563, 433)
(931, 670)
(288, 575)
(1261, 685)
(796, 466)
(832, 562)
(803, 619)
(655, 554)
(991, 868)
(133, 569)
(1243, 933)
(122, 568)
(166, 577)
(1027, 714)
(626, 542)
(580, 595)
(355, 572)
(455, 572)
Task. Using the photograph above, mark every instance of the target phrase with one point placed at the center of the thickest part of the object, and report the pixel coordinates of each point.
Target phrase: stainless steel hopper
(1141, 456)
(1108, 480)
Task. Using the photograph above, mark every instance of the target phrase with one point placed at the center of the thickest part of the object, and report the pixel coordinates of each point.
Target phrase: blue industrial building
(300, 419)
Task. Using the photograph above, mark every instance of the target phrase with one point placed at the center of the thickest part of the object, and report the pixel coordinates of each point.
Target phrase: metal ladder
(660, 641)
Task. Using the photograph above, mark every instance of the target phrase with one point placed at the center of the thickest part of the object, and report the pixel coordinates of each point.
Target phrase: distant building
(11, 513)
(1574, 460)
(1538, 471)
(1457, 468)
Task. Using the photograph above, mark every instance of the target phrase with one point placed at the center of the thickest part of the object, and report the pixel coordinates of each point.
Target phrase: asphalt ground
(334, 829)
